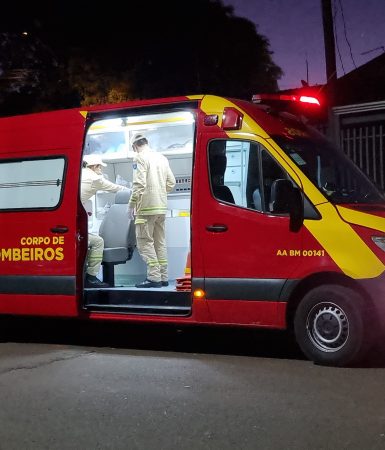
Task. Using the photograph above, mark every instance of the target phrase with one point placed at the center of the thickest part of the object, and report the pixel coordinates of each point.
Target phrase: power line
(345, 33)
(381, 47)
(336, 36)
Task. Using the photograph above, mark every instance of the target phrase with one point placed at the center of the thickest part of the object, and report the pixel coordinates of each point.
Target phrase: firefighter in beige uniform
(93, 181)
(152, 181)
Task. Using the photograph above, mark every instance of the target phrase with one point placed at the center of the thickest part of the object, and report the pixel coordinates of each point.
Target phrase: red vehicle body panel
(37, 135)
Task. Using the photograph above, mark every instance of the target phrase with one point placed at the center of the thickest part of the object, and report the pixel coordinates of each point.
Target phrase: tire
(329, 326)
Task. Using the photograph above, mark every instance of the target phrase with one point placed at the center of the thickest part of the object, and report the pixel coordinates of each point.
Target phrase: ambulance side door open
(39, 202)
(246, 238)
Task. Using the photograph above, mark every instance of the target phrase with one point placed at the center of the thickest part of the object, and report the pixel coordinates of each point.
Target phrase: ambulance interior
(173, 135)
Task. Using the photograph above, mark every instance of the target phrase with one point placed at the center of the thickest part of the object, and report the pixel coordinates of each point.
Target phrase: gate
(360, 132)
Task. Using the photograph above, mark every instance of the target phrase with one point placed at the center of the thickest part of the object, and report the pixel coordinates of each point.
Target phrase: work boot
(93, 282)
(149, 284)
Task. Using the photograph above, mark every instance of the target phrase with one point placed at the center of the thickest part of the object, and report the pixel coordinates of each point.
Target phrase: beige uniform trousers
(151, 245)
(95, 253)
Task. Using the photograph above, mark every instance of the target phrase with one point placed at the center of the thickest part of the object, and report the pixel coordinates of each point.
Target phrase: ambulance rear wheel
(329, 326)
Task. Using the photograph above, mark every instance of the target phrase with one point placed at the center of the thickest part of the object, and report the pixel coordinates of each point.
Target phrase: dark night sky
(295, 31)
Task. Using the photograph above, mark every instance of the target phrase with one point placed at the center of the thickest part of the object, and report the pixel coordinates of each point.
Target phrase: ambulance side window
(243, 173)
(31, 183)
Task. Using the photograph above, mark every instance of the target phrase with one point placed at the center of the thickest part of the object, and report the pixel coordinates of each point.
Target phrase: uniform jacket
(92, 182)
(152, 181)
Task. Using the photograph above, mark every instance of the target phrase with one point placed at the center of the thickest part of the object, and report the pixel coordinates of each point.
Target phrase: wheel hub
(328, 327)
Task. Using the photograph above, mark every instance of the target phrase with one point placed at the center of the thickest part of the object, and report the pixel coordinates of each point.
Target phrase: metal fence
(360, 132)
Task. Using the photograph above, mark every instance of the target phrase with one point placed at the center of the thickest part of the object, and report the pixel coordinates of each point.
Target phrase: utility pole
(330, 58)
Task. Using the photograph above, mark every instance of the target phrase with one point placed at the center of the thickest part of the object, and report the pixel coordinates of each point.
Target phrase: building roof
(363, 84)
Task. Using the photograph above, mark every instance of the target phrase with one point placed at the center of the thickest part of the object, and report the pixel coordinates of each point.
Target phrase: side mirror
(296, 209)
(285, 198)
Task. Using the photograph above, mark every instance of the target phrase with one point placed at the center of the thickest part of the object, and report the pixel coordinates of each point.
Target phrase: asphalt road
(67, 385)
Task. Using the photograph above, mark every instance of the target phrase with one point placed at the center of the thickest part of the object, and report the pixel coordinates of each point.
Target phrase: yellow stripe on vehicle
(361, 218)
(344, 245)
(195, 97)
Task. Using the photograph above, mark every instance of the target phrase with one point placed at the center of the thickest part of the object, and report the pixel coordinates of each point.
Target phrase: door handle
(216, 228)
(59, 229)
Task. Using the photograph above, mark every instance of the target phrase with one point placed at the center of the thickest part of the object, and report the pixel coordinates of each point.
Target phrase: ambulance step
(141, 309)
(138, 301)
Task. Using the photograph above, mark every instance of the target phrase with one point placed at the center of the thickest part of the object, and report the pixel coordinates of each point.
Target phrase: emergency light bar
(260, 98)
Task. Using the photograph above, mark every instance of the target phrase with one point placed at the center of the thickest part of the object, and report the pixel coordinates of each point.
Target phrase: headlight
(379, 241)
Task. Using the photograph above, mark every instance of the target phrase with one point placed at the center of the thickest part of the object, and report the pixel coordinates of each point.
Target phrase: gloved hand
(130, 213)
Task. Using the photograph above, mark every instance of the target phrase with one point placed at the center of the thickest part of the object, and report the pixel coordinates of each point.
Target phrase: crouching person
(93, 181)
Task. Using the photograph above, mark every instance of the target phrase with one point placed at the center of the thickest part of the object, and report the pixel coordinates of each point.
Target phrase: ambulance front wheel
(329, 326)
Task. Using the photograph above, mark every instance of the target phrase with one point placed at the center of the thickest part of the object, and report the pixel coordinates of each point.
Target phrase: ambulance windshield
(330, 170)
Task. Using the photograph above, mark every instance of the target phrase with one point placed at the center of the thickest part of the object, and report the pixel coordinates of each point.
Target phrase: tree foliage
(97, 85)
(133, 50)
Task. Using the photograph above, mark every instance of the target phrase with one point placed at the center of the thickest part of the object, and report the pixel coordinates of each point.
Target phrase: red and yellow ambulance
(282, 230)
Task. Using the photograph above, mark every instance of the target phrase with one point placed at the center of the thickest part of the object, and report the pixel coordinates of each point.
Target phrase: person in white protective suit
(152, 181)
(93, 181)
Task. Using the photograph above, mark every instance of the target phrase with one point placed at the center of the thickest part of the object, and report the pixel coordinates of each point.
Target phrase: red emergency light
(307, 99)
(261, 98)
